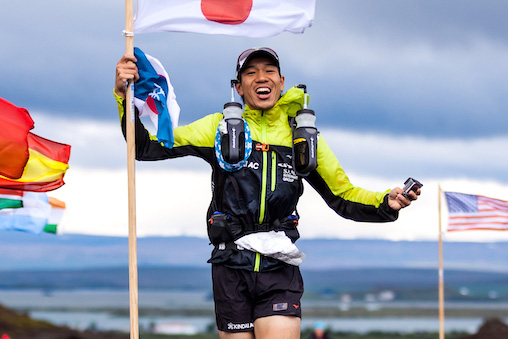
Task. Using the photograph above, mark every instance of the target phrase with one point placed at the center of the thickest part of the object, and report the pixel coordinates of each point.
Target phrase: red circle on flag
(229, 12)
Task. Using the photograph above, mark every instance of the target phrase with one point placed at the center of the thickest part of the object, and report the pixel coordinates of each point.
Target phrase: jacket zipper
(262, 207)
(265, 171)
(274, 170)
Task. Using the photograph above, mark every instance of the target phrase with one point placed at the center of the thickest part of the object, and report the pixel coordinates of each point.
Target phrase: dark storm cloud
(434, 68)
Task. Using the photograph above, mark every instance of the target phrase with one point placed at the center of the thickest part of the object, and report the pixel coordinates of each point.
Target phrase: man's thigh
(242, 296)
(277, 327)
(233, 300)
(239, 335)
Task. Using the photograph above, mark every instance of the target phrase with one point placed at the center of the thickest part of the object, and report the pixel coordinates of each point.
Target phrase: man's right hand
(126, 70)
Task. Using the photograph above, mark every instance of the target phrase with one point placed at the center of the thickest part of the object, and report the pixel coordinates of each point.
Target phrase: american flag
(476, 212)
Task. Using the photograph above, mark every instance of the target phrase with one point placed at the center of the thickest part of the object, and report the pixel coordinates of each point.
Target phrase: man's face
(261, 84)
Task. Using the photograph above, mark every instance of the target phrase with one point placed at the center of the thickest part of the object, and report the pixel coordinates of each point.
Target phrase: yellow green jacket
(266, 189)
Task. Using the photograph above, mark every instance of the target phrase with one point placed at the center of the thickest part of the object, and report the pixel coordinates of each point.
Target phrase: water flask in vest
(233, 133)
(305, 137)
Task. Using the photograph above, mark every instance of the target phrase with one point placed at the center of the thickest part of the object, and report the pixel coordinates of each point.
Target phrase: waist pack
(224, 228)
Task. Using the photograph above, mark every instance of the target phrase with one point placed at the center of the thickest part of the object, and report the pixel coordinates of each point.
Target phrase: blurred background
(400, 89)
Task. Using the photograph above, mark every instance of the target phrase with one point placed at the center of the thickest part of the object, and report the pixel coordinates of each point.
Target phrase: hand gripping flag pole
(131, 174)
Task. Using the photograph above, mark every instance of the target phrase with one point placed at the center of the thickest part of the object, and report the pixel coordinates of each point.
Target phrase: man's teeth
(263, 91)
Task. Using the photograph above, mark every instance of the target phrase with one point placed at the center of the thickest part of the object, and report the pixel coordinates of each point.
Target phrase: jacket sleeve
(195, 139)
(332, 183)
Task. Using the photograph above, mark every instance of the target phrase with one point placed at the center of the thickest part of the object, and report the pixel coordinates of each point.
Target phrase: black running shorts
(243, 296)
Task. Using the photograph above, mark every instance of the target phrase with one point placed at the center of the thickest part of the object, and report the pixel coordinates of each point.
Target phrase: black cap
(248, 54)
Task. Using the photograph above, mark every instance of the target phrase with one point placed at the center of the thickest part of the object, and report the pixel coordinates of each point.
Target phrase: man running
(252, 218)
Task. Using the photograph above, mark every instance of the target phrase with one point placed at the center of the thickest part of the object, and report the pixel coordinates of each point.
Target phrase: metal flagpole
(131, 174)
(441, 284)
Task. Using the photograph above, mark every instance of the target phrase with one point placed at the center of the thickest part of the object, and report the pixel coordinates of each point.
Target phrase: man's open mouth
(263, 91)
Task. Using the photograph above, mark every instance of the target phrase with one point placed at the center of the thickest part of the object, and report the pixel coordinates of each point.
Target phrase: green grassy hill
(21, 326)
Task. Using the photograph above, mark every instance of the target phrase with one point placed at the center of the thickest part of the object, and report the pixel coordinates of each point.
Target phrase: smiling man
(252, 218)
(260, 83)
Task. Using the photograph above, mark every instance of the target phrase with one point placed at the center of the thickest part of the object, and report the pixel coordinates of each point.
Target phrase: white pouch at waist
(272, 244)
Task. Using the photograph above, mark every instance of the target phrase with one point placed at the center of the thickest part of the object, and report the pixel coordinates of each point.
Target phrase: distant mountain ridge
(474, 271)
(20, 251)
(405, 283)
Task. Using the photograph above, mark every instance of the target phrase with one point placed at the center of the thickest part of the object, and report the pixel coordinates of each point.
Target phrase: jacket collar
(288, 104)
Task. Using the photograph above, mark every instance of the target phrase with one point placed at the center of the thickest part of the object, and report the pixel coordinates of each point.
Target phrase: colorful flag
(11, 199)
(10, 218)
(44, 170)
(56, 215)
(154, 97)
(248, 18)
(15, 122)
(32, 217)
(476, 212)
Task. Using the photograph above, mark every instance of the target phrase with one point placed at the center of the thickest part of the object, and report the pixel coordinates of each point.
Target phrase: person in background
(319, 331)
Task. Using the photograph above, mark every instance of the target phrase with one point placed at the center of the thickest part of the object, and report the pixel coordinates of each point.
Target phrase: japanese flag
(248, 18)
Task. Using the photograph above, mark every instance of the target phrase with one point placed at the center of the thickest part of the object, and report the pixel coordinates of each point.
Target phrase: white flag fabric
(248, 18)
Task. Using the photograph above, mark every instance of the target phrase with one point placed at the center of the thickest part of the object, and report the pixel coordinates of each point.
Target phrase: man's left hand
(397, 201)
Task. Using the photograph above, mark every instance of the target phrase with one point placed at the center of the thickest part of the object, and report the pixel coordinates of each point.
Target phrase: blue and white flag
(154, 97)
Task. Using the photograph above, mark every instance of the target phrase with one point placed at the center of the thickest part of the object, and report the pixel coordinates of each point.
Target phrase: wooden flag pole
(441, 284)
(131, 174)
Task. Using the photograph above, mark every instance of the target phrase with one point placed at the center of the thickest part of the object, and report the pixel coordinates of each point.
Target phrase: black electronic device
(411, 185)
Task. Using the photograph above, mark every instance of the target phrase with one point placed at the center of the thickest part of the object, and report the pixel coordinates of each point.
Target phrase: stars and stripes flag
(475, 212)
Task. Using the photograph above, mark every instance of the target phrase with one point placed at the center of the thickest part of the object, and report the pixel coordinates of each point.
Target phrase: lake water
(192, 325)
(71, 308)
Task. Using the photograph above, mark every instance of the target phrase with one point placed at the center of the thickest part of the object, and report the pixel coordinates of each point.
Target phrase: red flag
(15, 122)
(11, 192)
(233, 13)
(45, 169)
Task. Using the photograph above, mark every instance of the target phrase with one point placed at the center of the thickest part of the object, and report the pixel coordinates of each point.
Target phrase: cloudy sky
(400, 88)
